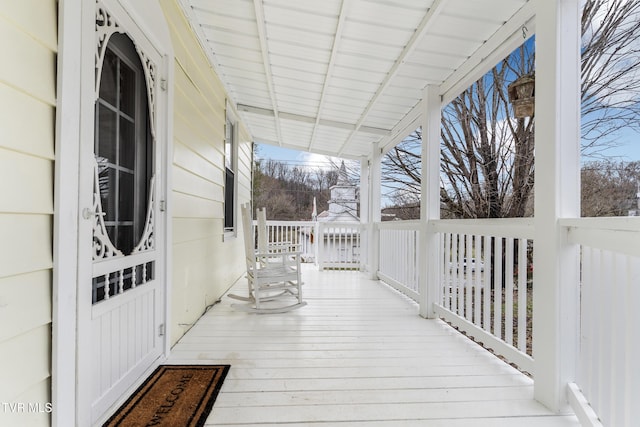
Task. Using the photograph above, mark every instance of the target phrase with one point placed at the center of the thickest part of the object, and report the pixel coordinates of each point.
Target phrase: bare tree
(288, 191)
(484, 153)
(487, 157)
(400, 169)
(610, 188)
(610, 72)
(487, 160)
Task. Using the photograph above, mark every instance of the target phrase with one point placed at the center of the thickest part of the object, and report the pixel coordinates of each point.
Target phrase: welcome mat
(174, 395)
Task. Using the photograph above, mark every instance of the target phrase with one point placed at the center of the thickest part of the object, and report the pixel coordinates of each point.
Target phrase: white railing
(607, 374)
(334, 245)
(485, 290)
(486, 277)
(399, 260)
(295, 233)
(338, 245)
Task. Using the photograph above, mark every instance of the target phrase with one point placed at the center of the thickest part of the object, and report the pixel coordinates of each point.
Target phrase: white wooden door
(121, 331)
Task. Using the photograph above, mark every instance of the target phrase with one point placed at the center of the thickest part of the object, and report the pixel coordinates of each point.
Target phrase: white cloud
(322, 161)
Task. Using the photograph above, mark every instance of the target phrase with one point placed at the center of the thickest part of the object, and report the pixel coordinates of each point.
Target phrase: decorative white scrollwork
(147, 241)
(103, 248)
(106, 26)
(150, 73)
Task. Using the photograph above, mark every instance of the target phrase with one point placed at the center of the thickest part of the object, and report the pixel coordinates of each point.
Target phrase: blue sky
(628, 149)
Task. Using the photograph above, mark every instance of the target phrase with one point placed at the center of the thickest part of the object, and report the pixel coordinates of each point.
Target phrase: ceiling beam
(334, 52)
(421, 30)
(404, 128)
(312, 120)
(262, 33)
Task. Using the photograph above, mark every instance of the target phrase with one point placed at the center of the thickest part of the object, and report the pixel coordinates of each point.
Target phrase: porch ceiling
(336, 76)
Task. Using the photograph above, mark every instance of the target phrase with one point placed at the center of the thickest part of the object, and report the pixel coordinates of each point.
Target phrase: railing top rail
(626, 223)
(613, 234)
(502, 227)
(289, 223)
(412, 224)
(341, 224)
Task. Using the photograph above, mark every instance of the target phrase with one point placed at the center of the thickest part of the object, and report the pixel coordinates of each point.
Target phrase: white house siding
(204, 265)
(28, 44)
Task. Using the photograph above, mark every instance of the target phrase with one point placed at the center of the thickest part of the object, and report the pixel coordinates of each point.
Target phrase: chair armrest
(284, 246)
(277, 254)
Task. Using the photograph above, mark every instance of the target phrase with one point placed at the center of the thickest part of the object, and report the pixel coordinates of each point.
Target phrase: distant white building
(338, 228)
(343, 205)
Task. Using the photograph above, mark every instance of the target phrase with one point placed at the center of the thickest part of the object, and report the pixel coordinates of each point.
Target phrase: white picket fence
(330, 245)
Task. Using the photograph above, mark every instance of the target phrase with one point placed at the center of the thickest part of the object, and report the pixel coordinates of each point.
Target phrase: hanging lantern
(521, 95)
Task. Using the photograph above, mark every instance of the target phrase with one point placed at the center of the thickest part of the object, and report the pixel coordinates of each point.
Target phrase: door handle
(88, 213)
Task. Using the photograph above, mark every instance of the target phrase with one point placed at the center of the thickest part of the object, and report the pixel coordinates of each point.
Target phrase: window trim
(231, 120)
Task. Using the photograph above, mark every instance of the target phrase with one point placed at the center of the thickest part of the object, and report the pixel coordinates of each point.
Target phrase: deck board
(357, 355)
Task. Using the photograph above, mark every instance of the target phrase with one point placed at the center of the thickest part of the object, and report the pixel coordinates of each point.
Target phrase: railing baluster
(478, 283)
(620, 362)
(468, 278)
(460, 252)
(606, 327)
(508, 304)
(497, 288)
(597, 333)
(454, 272)
(486, 323)
(522, 295)
(446, 267)
(341, 242)
(632, 297)
(402, 240)
(586, 321)
(416, 261)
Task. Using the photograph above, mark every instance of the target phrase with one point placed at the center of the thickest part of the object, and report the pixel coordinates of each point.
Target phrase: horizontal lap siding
(204, 265)
(27, 129)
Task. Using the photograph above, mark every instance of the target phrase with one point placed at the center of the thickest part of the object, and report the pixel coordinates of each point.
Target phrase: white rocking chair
(274, 278)
(264, 243)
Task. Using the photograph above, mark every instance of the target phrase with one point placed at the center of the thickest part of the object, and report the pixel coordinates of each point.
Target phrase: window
(230, 164)
(123, 144)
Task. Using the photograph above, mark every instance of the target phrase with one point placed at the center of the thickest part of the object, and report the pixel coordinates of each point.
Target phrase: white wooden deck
(357, 355)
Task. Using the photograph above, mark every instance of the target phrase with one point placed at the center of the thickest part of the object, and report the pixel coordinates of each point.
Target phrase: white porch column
(65, 255)
(374, 211)
(557, 195)
(364, 212)
(430, 201)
